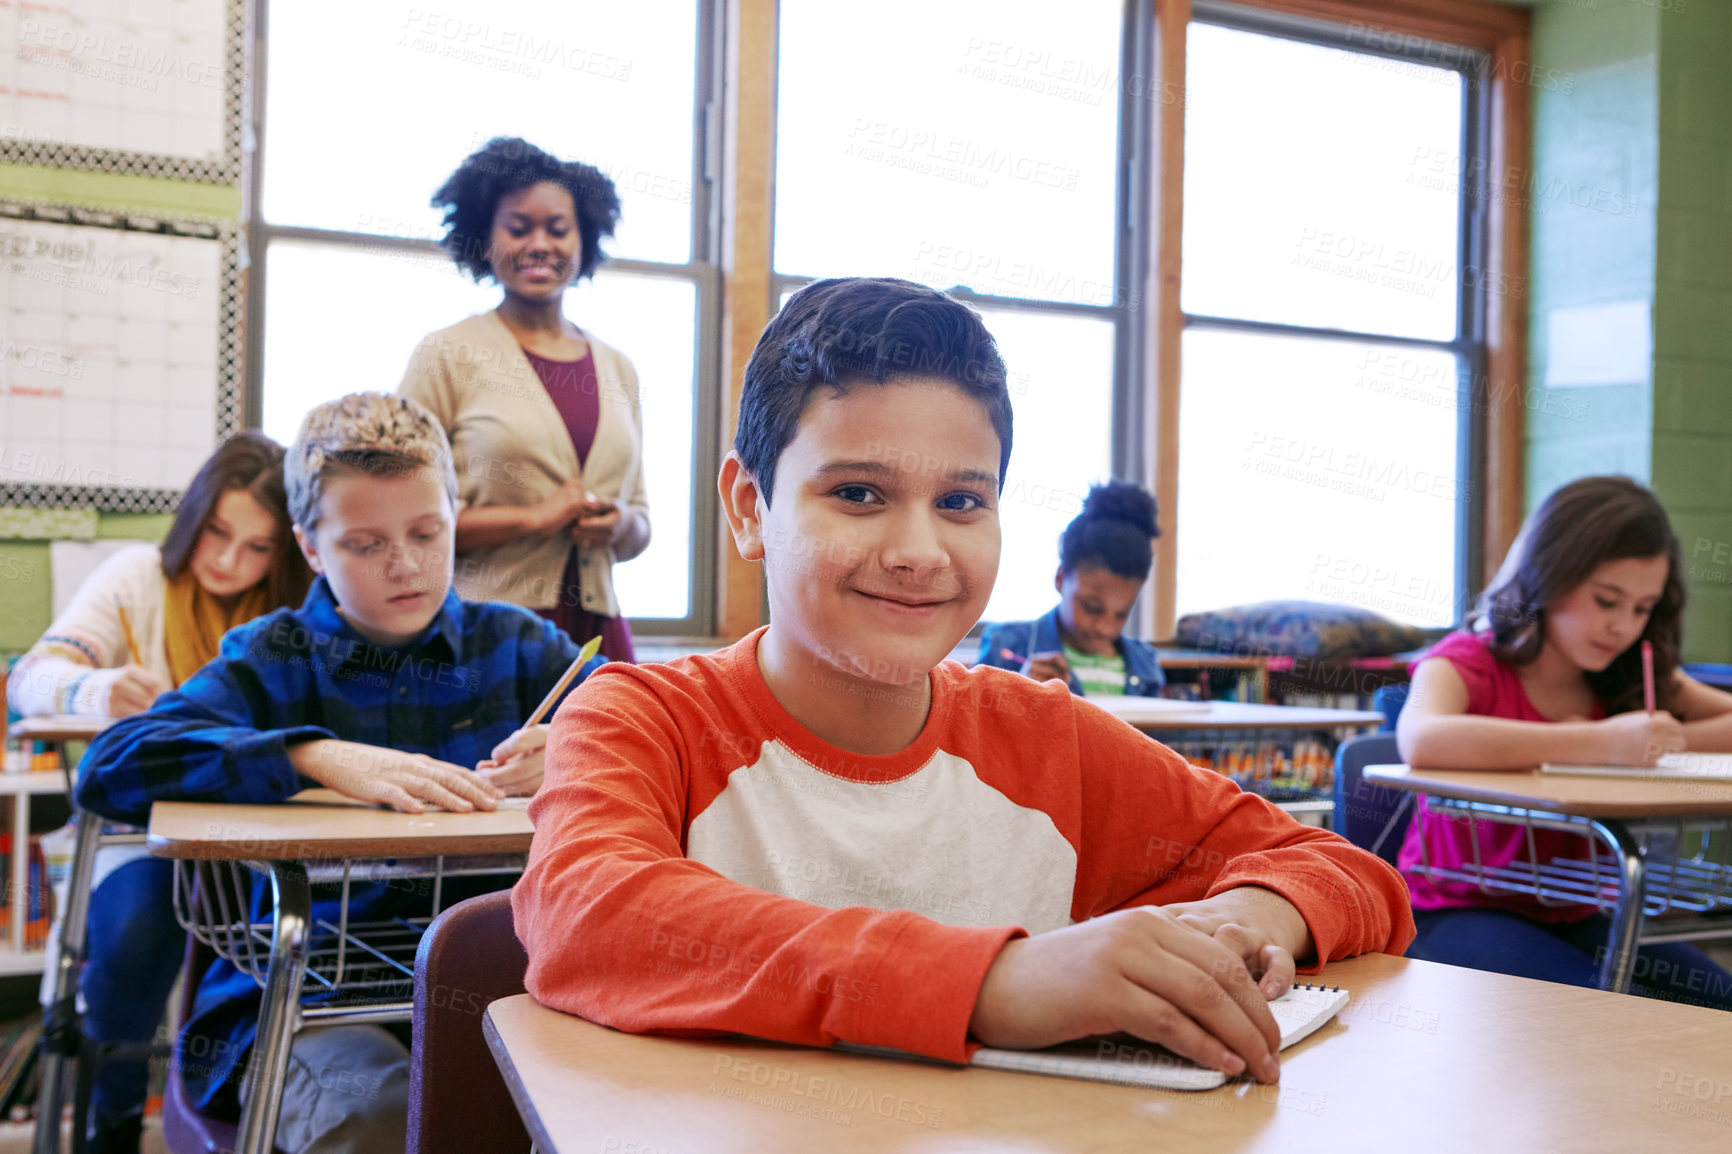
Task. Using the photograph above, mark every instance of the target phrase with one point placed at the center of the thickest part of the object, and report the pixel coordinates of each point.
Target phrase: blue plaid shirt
(300, 675)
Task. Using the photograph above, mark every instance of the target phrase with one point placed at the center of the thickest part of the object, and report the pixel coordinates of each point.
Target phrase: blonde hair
(376, 434)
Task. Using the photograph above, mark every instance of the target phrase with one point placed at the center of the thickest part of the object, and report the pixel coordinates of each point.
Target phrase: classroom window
(1333, 321)
(981, 156)
(363, 112)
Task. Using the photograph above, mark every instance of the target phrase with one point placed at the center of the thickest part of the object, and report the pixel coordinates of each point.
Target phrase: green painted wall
(1593, 195)
(1693, 312)
(1646, 124)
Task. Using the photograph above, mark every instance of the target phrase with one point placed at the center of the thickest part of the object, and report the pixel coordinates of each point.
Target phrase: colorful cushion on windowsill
(1320, 630)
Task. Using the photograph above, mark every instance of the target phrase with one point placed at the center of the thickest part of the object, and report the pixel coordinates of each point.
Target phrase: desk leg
(1620, 959)
(278, 1010)
(62, 1024)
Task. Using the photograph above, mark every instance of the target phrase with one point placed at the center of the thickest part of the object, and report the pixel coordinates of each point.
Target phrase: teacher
(544, 418)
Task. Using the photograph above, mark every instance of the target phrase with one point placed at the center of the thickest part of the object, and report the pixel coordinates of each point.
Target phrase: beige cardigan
(512, 448)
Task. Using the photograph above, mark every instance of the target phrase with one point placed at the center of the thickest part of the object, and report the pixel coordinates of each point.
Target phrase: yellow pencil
(131, 642)
(590, 649)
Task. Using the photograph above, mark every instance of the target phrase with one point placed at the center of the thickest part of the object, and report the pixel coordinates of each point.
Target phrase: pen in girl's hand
(1648, 676)
(1011, 655)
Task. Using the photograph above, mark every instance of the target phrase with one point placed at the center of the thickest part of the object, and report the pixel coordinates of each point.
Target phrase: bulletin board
(140, 87)
(119, 357)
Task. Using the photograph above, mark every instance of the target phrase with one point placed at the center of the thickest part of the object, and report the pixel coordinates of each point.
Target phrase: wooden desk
(1153, 715)
(1426, 1058)
(1603, 808)
(1624, 797)
(322, 825)
(318, 835)
(59, 727)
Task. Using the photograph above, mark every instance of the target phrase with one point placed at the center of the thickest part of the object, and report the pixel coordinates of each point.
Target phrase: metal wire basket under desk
(1687, 876)
(358, 969)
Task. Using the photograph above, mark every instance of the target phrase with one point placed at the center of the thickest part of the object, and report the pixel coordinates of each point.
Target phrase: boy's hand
(1046, 667)
(404, 781)
(135, 690)
(518, 762)
(1263, 928)
(1141, 971)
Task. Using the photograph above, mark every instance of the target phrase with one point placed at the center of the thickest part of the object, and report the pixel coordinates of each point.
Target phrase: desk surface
(321, 824)
(1617, 797)
(1493, 1062)
(59, 727)
(1160, 713)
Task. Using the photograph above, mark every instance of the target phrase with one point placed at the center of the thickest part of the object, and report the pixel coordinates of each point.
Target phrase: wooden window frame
(1502, 33)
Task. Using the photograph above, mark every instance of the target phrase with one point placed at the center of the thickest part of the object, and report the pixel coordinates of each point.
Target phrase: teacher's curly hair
(508, 164)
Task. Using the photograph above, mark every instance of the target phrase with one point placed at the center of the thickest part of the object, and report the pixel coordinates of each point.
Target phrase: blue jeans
(133, 952)
(1569, 952)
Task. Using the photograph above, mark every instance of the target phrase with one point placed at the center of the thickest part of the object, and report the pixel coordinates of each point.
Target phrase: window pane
(370, 107)
(1061, 374)
(1321, 186)
(951, 156)
(1320, 471)
(371, 310)
(339, 320)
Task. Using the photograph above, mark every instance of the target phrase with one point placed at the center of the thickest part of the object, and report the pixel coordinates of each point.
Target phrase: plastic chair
(1372, 817)
(1388, 701)
(458, 1104)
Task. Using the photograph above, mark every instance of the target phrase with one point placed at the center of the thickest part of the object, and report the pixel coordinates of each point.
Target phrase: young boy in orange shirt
(828, 832)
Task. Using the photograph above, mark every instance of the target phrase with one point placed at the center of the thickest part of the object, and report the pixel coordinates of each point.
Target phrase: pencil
(590, 649)
(1648, 675)
(131, 642)
(1012, 655)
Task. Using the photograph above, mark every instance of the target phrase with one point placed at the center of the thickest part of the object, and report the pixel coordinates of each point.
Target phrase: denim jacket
(1143, 677)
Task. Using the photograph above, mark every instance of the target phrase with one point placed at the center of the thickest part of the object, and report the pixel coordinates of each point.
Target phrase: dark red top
(572, 385)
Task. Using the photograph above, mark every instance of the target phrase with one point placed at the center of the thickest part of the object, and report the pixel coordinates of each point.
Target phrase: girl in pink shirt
(1550, 670)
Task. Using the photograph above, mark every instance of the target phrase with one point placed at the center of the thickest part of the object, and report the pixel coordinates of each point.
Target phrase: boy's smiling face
(384, 544)
(881, 543)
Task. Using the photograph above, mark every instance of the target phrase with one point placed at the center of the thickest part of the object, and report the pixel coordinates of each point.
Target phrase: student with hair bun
(1105, 556)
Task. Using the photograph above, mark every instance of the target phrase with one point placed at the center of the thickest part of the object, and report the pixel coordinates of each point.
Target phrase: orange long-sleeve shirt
(703, 864)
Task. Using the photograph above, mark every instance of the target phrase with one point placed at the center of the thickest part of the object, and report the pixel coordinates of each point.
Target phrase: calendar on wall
(146, 87)
(118, 362)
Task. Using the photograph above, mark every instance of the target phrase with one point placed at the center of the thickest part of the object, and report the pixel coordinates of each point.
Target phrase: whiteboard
(116, 364)
(143, 86)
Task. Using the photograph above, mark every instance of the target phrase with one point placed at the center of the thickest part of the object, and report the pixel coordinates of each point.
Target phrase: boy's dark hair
(1115, 530)
(508, 164)
(844, 331)
(252, 463)
(1575, 530)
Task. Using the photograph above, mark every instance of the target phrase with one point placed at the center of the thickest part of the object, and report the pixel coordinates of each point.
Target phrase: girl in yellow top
(229, 557)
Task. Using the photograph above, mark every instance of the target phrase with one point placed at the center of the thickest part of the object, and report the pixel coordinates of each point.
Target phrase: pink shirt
(1494, 689)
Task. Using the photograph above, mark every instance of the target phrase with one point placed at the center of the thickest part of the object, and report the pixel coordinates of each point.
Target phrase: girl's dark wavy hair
(508, 164)
(1116, 530)
(1575, 530)
(251, 463)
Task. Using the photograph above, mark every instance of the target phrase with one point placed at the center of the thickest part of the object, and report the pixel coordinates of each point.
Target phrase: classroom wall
(1593, 203)
(1640, 132)
(25, 593)
(1692, 438)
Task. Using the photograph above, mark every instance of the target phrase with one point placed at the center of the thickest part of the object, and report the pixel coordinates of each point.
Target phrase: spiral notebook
(1299, 1012)
(1671, 767)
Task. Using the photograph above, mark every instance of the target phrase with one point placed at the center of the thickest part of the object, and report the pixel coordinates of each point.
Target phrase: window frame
(1132, 217)
(702, 269)
(1468, 345)
(1489, 458)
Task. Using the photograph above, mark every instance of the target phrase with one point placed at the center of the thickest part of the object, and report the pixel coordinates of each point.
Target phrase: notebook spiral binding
(1319, 986)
